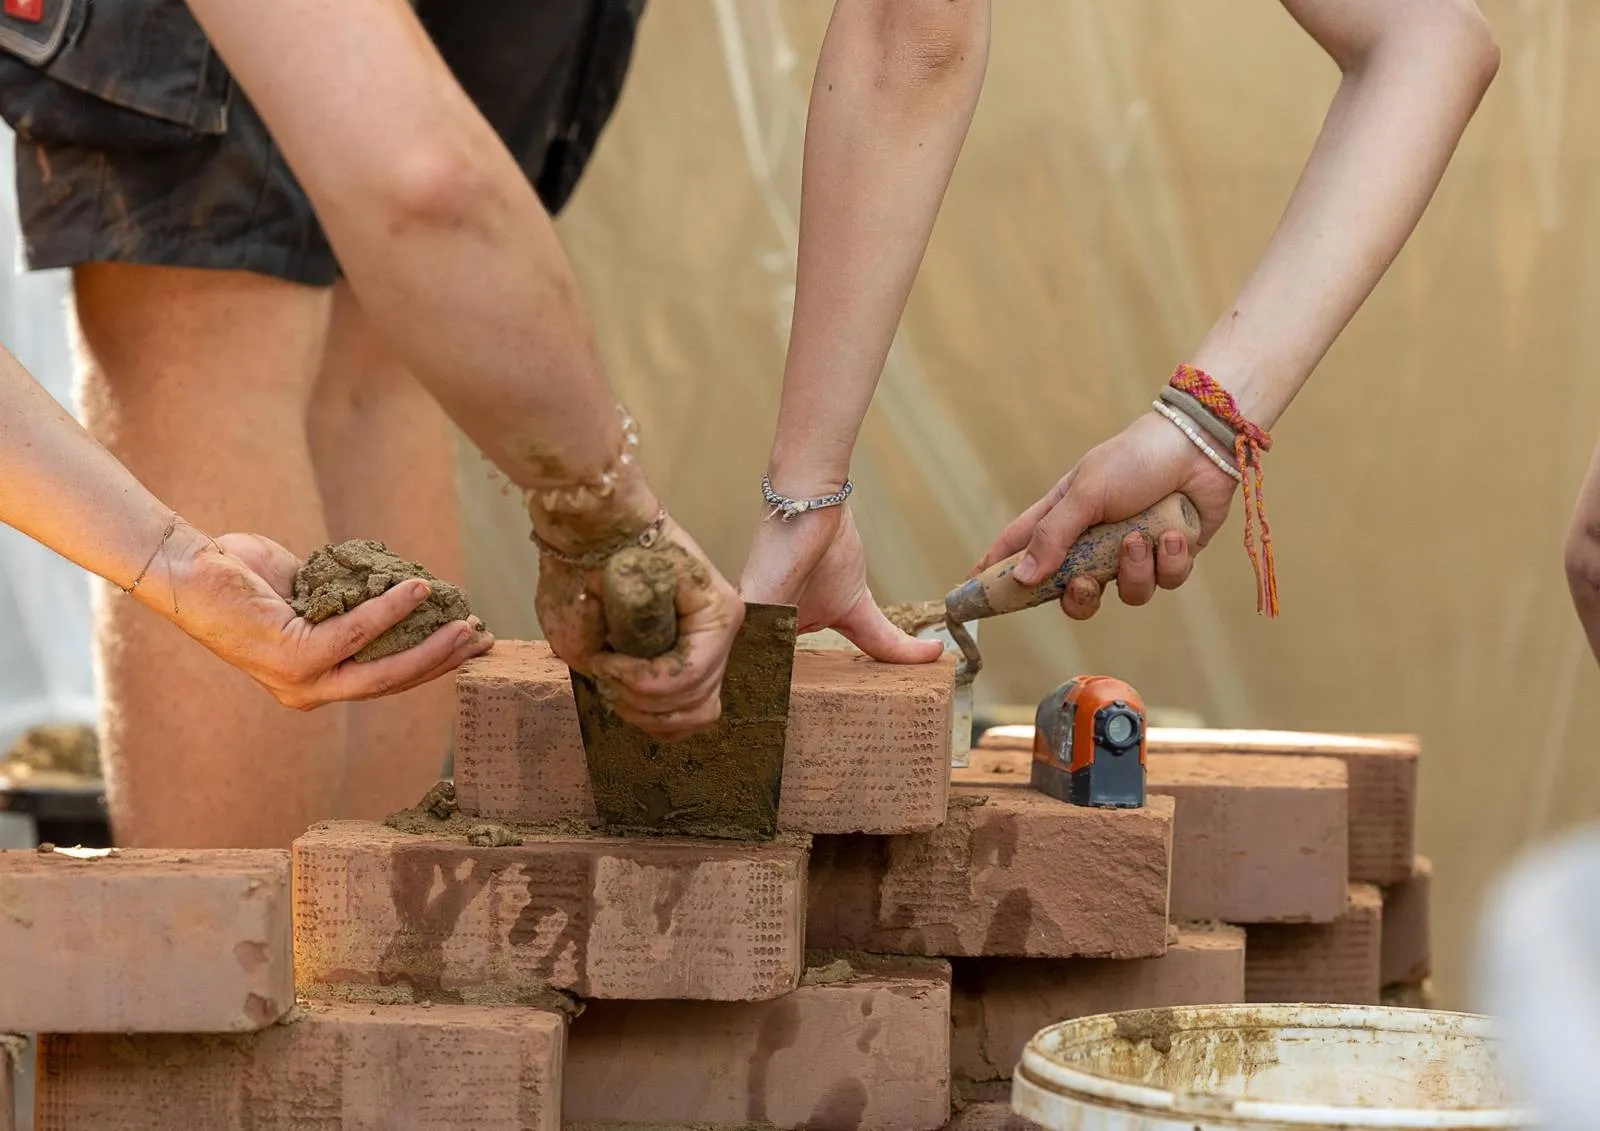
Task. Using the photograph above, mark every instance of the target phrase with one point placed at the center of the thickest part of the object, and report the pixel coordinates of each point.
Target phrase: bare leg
(199, 382)
(385, 465)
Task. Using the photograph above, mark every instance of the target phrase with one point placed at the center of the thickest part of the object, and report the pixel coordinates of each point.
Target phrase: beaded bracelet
(1188, 429)
(583, 495)
(594, 559)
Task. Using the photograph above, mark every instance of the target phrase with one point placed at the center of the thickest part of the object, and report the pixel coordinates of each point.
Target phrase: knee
(1583, 562)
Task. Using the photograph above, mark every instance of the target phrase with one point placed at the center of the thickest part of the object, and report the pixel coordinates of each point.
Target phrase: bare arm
(1583, 555)
(457, 264)
(61, 488)
(1413, 74)
(896, 87)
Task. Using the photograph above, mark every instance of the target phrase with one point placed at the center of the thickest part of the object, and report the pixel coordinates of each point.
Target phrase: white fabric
(46, 672)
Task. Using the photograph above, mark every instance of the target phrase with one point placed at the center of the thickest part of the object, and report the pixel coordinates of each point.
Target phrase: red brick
(145, 941)
(990, 1117)
(1257, 839)
(1334, 962)
(1382, 770)
(1407, 946)
(596, 916)
(870, 1052)
(348, 1066)
(1011, 872)
(1383, 785)
(1000, 1003)
(868, 748)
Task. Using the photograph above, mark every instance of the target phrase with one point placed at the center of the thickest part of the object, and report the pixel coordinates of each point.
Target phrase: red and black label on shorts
(35, 30)
(29, 11)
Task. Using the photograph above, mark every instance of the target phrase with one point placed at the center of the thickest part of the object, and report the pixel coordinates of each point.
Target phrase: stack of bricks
(879, 964)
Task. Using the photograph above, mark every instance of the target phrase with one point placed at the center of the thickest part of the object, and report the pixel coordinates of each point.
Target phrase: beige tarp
(1127, 164)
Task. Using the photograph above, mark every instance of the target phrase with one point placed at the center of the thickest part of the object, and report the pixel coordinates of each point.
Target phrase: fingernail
(1172, 543)
(1026, 569)
(420, 589)
(477, 625)
(1138, 550)
(466, 636)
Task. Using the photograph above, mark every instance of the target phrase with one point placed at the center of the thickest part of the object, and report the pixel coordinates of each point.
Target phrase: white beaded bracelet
(1184, 425)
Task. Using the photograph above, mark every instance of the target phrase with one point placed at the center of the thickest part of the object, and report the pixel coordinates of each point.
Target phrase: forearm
(443, 240)
(1414, 72)
(895, 90)
(61, 488)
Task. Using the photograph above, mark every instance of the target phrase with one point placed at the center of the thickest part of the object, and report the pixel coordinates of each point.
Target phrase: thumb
(1053, 537)
(867, 628)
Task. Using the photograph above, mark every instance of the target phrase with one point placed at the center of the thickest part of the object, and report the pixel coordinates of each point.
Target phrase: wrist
(602, 522)
(167, 566)
(805, 475)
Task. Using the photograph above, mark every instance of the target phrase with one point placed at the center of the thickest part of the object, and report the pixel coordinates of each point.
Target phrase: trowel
(996, 591)
(720, 782)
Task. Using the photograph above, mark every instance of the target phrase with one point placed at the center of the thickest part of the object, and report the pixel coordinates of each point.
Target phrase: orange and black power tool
(1088, 743)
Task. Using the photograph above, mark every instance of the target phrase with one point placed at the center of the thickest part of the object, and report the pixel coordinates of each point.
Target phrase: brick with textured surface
(1382, 772)
(348, 1066)
(869, 1051)
(1256, 839)
(8, 1095)
(145, 941)
(1336, 962)
(868, 747)
(990, 1117)
(998, 1004)
(1011, 872)
(1407, 945)
(596, 916)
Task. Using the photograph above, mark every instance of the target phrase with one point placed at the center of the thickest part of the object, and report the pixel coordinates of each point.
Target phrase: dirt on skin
(63, 756)
(913, 618)
(722, 782)
(335, 579)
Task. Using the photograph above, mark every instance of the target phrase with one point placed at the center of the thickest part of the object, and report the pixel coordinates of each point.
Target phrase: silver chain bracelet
(788, 508)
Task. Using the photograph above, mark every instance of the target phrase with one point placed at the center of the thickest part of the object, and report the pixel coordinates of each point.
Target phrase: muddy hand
(817, 562)
(1133, 470)
(674, 694)
(232, 596)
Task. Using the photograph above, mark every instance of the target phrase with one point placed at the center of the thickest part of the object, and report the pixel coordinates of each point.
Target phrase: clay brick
(1011, 872)
(868, 747)
(871, 1052)
(1257, 839)
(1336, 962)
(998, 1004)
(1407, 946)
(1382, 771)
(596, 916)
(145, 941)
(348, 1066)
(990, 1117)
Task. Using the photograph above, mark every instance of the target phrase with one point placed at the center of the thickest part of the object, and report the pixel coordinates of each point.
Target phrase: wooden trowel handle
(1094, 554)
(640, 590)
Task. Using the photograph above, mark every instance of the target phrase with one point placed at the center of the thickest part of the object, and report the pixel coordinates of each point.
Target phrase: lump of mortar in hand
(335, 579)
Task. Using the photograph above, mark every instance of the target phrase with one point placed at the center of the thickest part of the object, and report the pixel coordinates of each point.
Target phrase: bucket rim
(1040, 1077)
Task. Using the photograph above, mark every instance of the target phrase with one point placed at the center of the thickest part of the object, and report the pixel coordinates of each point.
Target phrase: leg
(199, 381)
(385, 467)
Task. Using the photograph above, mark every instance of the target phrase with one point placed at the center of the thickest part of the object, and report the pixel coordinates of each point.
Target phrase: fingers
(1081, 599)
(1136, 571)
(1016, 534)
(1174, 562)
(443, 651)
(338, 638)
(1054, 535)
(867, 628)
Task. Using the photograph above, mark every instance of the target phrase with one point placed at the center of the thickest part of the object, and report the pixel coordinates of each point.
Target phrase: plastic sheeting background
(1126, 166)
(45, 671)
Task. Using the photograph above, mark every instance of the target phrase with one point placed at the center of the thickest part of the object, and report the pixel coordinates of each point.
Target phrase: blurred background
(1127, 164)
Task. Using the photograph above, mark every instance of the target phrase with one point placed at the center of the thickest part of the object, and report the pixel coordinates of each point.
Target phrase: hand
(232, 596)
(817, 563)
(1133, 470)
(672, 695)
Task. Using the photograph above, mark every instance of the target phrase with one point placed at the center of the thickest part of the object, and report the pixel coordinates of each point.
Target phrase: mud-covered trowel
(995, 591)
(721, 782)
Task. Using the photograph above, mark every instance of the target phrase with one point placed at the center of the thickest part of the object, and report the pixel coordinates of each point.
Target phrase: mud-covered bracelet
(594, 559)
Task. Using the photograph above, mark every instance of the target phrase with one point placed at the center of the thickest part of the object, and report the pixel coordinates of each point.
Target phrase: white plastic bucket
(1209, 1068)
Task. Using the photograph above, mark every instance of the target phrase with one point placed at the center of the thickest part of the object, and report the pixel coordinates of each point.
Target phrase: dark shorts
(134, 144)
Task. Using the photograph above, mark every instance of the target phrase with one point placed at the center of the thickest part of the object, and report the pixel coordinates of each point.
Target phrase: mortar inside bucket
(1255, 1066)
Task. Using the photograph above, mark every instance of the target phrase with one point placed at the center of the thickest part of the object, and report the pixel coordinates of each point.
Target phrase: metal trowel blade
(720, 782)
